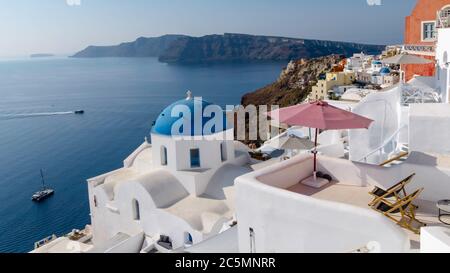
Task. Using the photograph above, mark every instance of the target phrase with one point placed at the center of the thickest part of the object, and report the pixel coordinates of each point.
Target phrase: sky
(66, 26)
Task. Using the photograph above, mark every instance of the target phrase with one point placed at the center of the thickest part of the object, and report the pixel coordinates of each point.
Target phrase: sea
(121, 98)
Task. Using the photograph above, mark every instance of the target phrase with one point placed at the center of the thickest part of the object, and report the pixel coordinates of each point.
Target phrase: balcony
(425, 50)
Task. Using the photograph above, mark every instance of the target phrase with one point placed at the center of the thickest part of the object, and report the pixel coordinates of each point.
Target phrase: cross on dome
(189, 95)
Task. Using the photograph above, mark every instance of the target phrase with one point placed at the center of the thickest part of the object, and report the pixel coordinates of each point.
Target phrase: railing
(381, 147)
(128, 162)
(443, 20)
(418, 95)
(44, 241)
(395, 158)
(422, 49)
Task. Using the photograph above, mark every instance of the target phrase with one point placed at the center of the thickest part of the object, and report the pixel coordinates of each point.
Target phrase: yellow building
(332, 79)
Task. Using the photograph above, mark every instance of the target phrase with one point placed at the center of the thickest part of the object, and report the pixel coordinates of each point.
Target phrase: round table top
(444, 205)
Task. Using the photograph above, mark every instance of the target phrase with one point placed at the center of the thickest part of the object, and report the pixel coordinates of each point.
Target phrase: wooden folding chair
(398, 191)
(405, 207)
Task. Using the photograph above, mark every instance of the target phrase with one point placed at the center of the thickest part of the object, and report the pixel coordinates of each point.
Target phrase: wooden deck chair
(405, 207)
(398, 191)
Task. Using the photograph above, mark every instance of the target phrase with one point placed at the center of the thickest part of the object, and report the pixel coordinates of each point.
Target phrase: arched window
(223, 151)
(188, 240)
(136, 210)
(445, 12)
(163, 156)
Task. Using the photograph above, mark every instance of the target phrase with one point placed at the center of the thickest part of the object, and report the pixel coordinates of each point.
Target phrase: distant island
(41, 55)
(142, 47)
(228, 47)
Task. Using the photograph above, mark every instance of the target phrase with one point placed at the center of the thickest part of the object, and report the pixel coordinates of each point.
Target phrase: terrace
(358, 196)
(334, 218)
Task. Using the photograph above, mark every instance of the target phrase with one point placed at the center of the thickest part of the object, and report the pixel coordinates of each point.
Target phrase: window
(188, 240)
(195, 158)
(445, 13)
(223, 151)
(136, 211)
(95, 201)
(163, 156)
(428, 31)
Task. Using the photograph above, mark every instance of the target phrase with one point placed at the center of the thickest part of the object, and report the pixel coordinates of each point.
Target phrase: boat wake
(32, 115)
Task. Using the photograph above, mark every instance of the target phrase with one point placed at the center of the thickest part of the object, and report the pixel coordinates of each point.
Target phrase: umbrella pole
(402, 77)
(315, 154)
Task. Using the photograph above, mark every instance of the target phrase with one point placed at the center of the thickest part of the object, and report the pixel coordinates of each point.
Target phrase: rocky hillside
(226, 48)
(244, 48)
(294, 83)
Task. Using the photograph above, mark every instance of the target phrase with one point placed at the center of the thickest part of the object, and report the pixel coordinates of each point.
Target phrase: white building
(378, 74)
(375, 66)
(337, 218)
(179, 186)
(442, 63)
(192, 190)
(358, 62)
(356, 94)
(341, 89)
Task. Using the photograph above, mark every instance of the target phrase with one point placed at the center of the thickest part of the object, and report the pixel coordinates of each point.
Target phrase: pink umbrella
(319, 115)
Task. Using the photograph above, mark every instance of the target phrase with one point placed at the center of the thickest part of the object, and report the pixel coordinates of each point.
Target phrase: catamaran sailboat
(44, 193)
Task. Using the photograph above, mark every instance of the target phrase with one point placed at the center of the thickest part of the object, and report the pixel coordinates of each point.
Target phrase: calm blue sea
(121, 97)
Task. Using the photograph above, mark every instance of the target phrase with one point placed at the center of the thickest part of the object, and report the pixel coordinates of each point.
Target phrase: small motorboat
(44, 193)
(79, 112)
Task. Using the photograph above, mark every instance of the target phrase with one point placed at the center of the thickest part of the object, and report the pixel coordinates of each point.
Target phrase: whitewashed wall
(284, 221)
(435, 240)
(442, 60)
(429, 128)
(289, 222)
(385, 109)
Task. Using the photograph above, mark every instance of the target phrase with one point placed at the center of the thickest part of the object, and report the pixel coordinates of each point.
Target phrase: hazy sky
(63, 27)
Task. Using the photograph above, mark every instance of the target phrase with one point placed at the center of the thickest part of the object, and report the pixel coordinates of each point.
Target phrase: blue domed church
(192, 135)
(175, 190)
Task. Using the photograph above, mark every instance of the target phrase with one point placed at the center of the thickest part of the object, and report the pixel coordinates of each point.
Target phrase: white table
(444, 210)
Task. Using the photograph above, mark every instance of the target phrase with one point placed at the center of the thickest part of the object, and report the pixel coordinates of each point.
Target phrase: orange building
(420, 33)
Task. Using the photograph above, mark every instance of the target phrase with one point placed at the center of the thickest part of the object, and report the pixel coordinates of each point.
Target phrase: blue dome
(376, 62)
(165, 121)
(385, 71)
